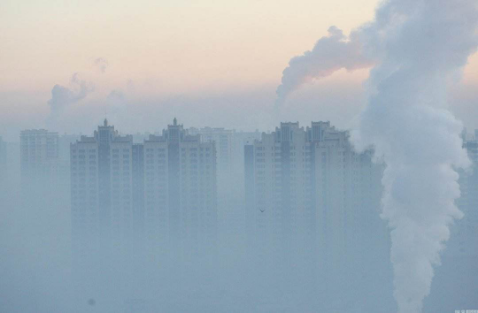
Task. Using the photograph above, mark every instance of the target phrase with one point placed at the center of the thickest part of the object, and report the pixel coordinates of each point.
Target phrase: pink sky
(221, 53)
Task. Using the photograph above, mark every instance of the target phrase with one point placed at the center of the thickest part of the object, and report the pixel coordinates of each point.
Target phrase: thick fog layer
(207, 220)
(303, 217)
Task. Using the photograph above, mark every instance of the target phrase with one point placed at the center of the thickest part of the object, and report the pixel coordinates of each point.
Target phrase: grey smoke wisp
(330, 54)
(101, 64)
(62, 96)
(418, 47)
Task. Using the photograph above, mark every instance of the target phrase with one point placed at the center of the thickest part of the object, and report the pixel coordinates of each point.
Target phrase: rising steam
(330, 54)
(418, 47)
(62, 96)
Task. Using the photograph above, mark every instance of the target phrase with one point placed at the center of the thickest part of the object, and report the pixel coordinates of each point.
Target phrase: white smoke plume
(62, 96)
(407, 121)
(330, 54)
(419, 48)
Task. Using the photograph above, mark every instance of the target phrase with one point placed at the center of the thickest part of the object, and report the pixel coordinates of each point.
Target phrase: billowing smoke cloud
(419, 47)
(408, 123)
(101, 64)
(330, 54)
(62, 96)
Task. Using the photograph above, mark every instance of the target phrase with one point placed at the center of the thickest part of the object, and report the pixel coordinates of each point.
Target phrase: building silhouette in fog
(42, 183)
(39, 155)
(229, 145)
(180, 189)
(158, 193)
(307, 189)
(348, 194)
(279, 189)
(101, 188)
(223, 140)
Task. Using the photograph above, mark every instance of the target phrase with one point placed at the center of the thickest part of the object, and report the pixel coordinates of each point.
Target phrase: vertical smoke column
(417, 47)
(423, 46)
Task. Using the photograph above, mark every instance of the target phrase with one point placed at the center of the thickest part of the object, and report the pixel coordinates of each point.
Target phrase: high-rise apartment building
(161, 193)
(42, 185)
(180, 189)
(279, 185)
(39, 155)
(101, 189)
(229, 150)
(44, 195)
(352, 240)
(224, 140)
(230, 178)
(308, 188)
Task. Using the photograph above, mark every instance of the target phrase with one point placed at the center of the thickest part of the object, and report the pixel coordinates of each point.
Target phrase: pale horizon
(198, 56)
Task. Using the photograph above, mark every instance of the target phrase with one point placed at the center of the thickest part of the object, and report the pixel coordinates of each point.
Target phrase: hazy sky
(208, 62)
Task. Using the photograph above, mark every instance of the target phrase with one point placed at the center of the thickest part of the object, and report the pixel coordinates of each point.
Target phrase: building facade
(160, 195)
(42, 183)
(39, 155)
(180, 190)
(279, 186)
(229, 145)
(101, 190)
(307, 189)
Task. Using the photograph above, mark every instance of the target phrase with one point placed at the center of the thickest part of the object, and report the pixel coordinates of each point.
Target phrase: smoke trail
(62, 96)
(419, 47)
(330, 54)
